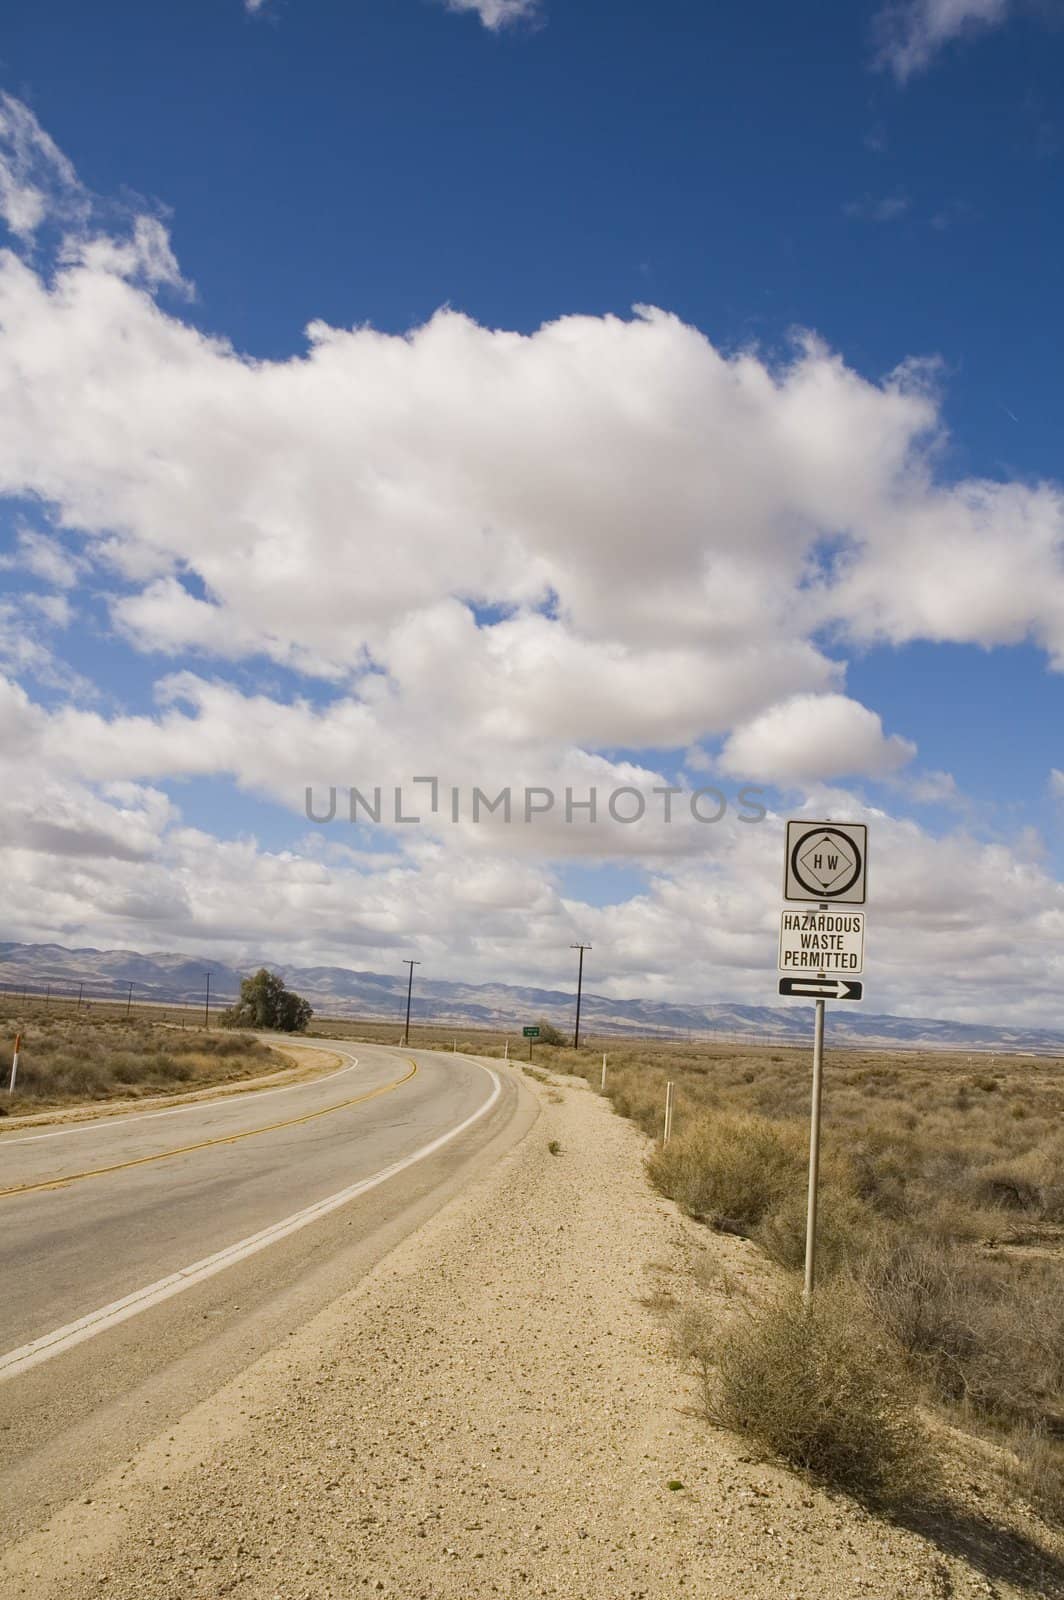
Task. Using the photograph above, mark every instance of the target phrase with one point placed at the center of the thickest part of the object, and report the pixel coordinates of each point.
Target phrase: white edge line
(74, 1333)
(95, 1124)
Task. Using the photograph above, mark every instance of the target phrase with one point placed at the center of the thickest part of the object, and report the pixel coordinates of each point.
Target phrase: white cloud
(884, 208)
(811, 737)
(36, 179)
(912, 33)
(348, 506)
(511, 558)
(933, 788)
(26, 622)
(45, 558)
(953, 918)
(496, 14)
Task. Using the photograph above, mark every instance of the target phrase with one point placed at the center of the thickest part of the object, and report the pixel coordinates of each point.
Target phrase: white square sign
(815, 942)
(826, 861)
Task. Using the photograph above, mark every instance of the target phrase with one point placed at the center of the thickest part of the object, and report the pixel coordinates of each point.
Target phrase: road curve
(145, 1260)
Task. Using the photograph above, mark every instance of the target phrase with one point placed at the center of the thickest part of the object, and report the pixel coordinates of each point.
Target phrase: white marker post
(506, 1051)
(14, 1063)
(667, 1133)
(820, 954)
(602, 1085)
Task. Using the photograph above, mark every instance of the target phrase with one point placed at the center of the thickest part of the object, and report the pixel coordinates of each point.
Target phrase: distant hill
(340, 991)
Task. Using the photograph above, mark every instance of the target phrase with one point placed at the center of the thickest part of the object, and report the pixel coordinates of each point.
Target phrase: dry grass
(941, 1199)
(70, 1058)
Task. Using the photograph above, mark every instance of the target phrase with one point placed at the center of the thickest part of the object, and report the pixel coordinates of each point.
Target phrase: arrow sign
(823, 988)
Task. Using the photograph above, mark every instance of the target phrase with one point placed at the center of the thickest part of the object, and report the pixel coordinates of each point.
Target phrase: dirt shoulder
(492, 1411)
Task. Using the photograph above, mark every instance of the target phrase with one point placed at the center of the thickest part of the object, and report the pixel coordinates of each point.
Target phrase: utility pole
(81, 991)
(129, 999)
(407, 962)
(207, 1007)
(579, 990)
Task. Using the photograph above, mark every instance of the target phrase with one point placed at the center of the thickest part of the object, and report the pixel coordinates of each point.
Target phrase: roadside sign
(823, 988)
(531, 1033)
(821, 941)
(826, 861)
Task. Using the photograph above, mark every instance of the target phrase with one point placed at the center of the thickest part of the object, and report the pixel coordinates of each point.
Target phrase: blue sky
(212, 538)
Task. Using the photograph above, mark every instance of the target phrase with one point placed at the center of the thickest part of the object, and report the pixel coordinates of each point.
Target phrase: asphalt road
(146, 1259)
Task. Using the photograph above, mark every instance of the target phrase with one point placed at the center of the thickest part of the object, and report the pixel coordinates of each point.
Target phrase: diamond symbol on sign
(828, 859)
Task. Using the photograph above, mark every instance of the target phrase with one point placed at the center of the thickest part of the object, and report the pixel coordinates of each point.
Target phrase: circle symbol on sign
(826, 862)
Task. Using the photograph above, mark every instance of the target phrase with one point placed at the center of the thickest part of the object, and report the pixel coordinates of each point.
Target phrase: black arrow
(823, 988)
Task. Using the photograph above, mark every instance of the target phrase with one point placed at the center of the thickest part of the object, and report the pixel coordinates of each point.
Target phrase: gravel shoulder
(493, 1410)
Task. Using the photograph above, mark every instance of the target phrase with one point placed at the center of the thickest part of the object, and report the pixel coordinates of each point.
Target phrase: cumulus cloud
(115, 865)
(811, 737)
(913, 32)
(505, 558)
(636, 523)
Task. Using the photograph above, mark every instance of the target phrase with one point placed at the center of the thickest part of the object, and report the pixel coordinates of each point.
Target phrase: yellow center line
(206, 1144)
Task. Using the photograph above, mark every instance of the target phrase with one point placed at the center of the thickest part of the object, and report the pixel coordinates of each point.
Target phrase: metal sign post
(820, 953)
(530, 1034)
(814, 1151)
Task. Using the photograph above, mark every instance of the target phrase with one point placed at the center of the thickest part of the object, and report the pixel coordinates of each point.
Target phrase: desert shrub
(126, 1067)
(978, 1331)
(228, 1044)
(79, 1078)
(846, 1231)
(80, 1058)
(1039, 1471)
(916, 1288)
(882, 1163)
(1031, 1182)
(733, 1168)
(1008, 1188)
(821, 1388)
(172, 1069)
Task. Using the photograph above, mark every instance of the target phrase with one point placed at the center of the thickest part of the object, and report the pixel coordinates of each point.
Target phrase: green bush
(549, 1034)
(266, 1002)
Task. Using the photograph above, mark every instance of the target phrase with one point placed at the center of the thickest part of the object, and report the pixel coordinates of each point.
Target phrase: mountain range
(342, 992)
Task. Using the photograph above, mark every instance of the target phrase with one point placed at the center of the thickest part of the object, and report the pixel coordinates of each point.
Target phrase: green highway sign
(531, 1033)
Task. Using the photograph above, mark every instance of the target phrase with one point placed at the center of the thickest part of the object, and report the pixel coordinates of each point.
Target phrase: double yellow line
(207, 1144)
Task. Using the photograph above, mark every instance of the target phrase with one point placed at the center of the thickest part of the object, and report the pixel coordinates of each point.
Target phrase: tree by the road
(265, 1002)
